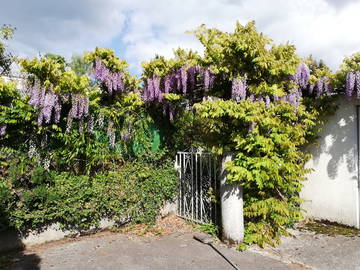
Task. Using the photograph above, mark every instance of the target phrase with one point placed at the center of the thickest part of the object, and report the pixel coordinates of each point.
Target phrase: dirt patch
(163, 226)
(327, 228)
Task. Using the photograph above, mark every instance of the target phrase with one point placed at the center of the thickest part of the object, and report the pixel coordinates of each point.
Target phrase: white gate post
(232, 217)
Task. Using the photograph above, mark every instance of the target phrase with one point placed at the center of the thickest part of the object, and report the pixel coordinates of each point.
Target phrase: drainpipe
(232, 217)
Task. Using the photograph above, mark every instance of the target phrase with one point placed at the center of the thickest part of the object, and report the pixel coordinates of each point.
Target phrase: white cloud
(326, 29)
(63, 27)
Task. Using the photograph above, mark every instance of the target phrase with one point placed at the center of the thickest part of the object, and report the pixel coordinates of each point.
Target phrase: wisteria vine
(184, 80)
(113, 81)
(353, 83)
(181, 81)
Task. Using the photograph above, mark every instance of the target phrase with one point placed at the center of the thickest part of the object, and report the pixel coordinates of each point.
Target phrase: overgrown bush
(133, 193)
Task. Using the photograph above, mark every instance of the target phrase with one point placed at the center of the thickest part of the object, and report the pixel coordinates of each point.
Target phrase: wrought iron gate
(198, 187)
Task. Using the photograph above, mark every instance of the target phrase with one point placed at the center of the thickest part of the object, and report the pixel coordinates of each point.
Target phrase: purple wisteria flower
(2, 129)
(209, 78)
(184, 79)
(181, 81)
(80, 106)
(49, 103)
(69, 124)
(57, 109)
(157, 91)
(37, 94)
(350, 83)
(311, 89)
(125, 136)
(302, 75)
(357, 83)
(111, 133)
(167, 83)
(238, 90)
(322, 87)
(294, 97)
(267, 101)
(113, 81)
(101, 120)
(319, 87)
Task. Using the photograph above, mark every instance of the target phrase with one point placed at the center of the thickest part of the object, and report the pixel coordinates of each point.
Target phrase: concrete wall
(332, 191)
(12, 240)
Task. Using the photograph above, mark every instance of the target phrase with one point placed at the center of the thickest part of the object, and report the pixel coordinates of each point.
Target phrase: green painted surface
(154, 140)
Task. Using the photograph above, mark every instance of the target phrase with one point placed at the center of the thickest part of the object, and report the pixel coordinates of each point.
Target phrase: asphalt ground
(120, 251)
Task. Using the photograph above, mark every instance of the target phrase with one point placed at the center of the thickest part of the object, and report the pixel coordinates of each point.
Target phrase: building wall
(332, 192)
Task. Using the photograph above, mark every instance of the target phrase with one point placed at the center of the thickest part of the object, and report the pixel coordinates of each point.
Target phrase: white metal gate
(198, 187)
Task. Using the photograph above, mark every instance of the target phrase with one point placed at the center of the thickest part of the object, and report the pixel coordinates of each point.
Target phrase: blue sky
(137, 30)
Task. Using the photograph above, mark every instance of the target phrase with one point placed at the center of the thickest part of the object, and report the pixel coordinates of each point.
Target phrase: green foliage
(113, 63)
(210, 228)
(79, 65)
(6, 59)
(109, 59)
(132, 192)
(248, 53)
(15, 113)
(268, 161)
(75, 178)
(350, 63)
(161, 66)
(57, 58)
(50, 72)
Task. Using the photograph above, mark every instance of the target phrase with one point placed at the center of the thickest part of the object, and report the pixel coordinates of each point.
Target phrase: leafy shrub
(134, 192)
(267, 162)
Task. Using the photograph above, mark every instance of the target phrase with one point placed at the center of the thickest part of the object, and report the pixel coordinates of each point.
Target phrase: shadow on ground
(12, 250)
(28, 261)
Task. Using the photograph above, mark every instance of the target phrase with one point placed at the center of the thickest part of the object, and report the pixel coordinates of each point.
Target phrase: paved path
(119, 251)
(319, 251)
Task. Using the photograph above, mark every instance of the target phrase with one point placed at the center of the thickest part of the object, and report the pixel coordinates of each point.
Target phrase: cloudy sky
(137, 30)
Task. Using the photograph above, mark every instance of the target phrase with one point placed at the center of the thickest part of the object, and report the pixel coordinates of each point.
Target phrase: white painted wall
(332, 188)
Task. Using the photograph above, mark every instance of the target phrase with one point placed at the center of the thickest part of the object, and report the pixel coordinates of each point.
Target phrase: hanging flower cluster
(111, 133)
(113, 81)
(321, 87)
(80, 106)
(79, 110)
(353, 83)
(302, 75)
(48, 103)
(182, 81)
(2, 130)
(301, 78)
(238, 90)
(293, 97)
(239, 93)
